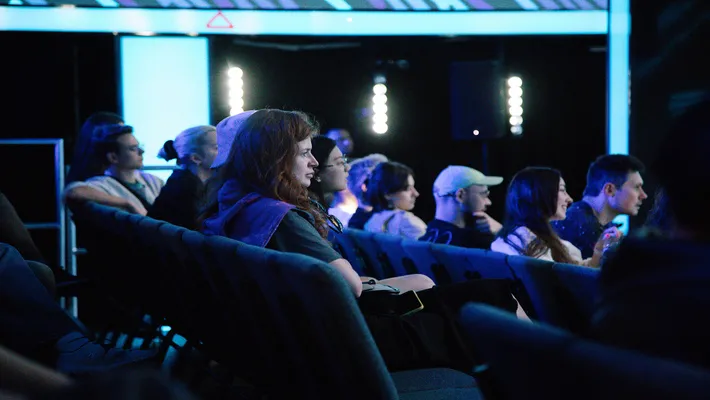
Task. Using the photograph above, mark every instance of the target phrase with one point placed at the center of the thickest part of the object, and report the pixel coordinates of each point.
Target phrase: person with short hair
(461, 195)
(536, 197)
(614, 187)
(121, 157)
(655, 291)
(358, 177)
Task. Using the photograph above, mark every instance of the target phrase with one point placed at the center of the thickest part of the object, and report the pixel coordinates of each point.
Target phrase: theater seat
(537, 361)
(285, 323)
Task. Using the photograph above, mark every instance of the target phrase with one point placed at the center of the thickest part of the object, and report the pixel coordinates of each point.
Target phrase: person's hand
(135, 208)
(608, 238)
(485, 223)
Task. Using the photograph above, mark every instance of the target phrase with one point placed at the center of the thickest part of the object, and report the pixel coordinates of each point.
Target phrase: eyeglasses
(341, 163)
(135, 148)
(483, 194)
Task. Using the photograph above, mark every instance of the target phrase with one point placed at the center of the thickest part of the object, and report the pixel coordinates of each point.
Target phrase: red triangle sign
(219, 21)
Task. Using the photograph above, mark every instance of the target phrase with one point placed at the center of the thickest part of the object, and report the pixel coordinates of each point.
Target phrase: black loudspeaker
(478, 101)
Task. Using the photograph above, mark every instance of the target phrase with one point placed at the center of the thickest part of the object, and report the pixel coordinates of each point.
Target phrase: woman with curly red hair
(259, 193)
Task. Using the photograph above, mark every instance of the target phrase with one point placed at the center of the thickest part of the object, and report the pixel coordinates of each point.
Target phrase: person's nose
(487, 202)
(415, 193)
(644, 196)
(313, 162)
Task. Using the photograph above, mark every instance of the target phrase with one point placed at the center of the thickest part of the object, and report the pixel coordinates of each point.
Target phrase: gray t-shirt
(297, 234)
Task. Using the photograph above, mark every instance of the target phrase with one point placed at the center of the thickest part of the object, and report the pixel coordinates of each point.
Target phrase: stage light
(236, 91)
(515, 101)
(379, 105)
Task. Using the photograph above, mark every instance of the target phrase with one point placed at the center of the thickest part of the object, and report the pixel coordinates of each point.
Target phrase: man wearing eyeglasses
(118, 152)
(461, 195)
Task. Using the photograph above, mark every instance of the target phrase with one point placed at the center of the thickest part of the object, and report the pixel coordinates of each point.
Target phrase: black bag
(432, 337)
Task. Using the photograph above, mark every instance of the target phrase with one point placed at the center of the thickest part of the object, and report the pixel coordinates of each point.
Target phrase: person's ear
(196, 159)
(609, 189)
(112, 157)
(460, 195)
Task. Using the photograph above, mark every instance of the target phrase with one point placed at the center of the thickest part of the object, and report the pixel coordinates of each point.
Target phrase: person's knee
(416, 282)
(44, 274)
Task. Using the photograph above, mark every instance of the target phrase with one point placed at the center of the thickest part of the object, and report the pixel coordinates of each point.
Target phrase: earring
(317, 178)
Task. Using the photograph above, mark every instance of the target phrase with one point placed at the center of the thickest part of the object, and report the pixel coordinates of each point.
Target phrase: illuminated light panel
(164, 89)
(618, 84)
(323, 23)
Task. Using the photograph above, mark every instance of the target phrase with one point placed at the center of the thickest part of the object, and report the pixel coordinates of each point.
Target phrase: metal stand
(65, 228)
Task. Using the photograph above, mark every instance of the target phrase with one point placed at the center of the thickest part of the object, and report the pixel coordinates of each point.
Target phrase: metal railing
(65, 258)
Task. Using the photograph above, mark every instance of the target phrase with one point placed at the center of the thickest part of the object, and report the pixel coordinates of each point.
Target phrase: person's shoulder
(299, 216)
(101, 181)
(580, 210)
(151, 179)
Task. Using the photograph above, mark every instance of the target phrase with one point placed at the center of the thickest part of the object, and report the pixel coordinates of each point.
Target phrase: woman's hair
(360, 172)
(387, 178)
(531, 202)
(106, 141)
(261, 160)
(185, 144)
(322, 147)
(83, 164)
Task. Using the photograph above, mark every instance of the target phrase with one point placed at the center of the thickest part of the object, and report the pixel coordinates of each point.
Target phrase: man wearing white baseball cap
(461, 195)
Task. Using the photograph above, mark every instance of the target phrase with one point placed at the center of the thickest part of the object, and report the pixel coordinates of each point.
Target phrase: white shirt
(501, 246)
(396, 222)
(111, 186)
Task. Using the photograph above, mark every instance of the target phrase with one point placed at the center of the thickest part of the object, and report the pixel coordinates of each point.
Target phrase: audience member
(343, 204)
(331, 177)
(259, 193)
(461, 195)
(654, 291)
(33, 325)
(195, 150)
(537, 196)
(614, 187)
(22, 376)
(391, 192)
(360, 172)
(84, 165)
(121, 157)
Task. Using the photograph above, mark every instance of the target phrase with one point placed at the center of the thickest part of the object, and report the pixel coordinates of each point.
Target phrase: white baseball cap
(226, 133)
(455, 177)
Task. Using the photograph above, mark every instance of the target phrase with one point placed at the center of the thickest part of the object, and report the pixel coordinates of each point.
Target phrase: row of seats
(270, 317)
(558, 294)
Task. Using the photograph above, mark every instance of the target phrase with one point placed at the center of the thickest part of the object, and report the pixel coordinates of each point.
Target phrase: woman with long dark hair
(536, 196)
(331, 177)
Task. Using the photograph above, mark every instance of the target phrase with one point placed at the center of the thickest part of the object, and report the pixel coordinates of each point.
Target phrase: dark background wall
(669, 69)
(564, 98)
